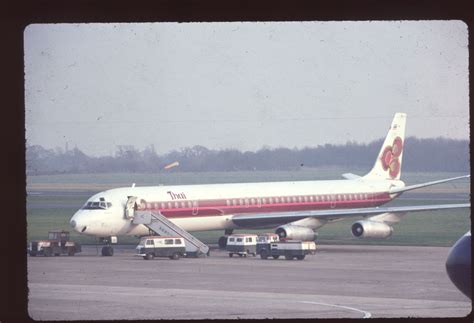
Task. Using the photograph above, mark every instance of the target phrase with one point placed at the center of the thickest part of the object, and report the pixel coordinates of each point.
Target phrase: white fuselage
(212, 206)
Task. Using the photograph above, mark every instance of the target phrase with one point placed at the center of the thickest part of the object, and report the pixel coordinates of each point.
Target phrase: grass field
(52, 200)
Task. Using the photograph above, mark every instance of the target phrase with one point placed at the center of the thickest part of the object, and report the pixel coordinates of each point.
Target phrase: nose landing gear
(108, 250)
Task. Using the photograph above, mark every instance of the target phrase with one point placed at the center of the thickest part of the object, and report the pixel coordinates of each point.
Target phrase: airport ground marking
(367, 315)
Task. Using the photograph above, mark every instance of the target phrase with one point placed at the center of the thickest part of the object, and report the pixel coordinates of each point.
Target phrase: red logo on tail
(390, 156)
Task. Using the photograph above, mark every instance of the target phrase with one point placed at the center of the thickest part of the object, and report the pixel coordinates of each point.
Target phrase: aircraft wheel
(107, 251)
(222, 242)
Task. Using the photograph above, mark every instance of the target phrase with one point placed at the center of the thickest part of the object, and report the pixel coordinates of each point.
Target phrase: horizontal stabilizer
(350, 176)
(414, 187)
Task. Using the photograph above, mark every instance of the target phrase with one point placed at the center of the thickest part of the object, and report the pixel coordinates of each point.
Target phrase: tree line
(435, 155)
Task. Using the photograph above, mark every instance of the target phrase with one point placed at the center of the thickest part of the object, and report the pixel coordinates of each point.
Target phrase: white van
(161, 246)
(242, 245)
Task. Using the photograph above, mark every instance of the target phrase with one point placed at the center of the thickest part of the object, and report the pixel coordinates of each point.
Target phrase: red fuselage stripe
(187, 208)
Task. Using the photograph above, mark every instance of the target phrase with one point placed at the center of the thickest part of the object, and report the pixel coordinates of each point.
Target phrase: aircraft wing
(278, 218)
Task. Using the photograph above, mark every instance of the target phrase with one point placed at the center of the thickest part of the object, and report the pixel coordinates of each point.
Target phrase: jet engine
(371, 229)
(296, 232)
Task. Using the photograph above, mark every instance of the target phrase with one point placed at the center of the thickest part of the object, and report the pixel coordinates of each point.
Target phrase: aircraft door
(130, 207)
(195, 208)
(332, 199)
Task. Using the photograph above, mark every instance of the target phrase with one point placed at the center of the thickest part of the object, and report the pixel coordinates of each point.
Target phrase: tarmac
(337, 282)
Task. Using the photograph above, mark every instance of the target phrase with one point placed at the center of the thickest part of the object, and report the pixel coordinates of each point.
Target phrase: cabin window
(305, 198)
(270, 200)
(149, 242)
(248, 239)
(183, 205)
(241, 201)
(234, 202)
(277, 200)
(300, 199)
(231, 239)
(294, 199)
(246, 201)
(264, 201)
(239, 239)
(168, 241)
(365, 196)
(169, 205)
(252, 201)
(176, 205)
(177, 241)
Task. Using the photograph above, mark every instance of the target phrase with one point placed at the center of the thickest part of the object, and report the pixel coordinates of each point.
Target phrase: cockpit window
(102, 205)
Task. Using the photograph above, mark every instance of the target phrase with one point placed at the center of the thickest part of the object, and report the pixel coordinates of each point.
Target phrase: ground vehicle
(58, 243)
(267, 238)
(161, 246)
(289, 248)
(242, 245)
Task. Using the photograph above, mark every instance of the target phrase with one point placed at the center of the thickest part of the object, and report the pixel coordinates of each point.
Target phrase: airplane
(297, 209)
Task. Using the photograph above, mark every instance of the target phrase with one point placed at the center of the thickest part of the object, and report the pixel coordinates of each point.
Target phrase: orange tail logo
(390, 156)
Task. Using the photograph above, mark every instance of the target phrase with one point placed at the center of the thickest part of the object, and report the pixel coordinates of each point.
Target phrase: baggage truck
(150, 247)
(290, 249)
(242, 245)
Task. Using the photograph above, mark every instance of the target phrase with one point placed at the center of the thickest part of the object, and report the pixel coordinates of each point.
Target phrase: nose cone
(77, 222)
(458, 265)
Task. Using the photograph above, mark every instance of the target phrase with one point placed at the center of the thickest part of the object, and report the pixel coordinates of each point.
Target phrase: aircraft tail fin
(389, 160)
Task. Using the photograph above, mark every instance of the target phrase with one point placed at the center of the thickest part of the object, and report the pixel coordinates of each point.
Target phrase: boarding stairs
(159, 224)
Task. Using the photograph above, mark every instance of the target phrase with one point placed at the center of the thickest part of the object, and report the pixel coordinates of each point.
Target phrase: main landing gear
(223, 240)
(108, 250)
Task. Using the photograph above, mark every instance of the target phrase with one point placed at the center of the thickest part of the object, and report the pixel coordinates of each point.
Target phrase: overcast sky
(242, 85)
